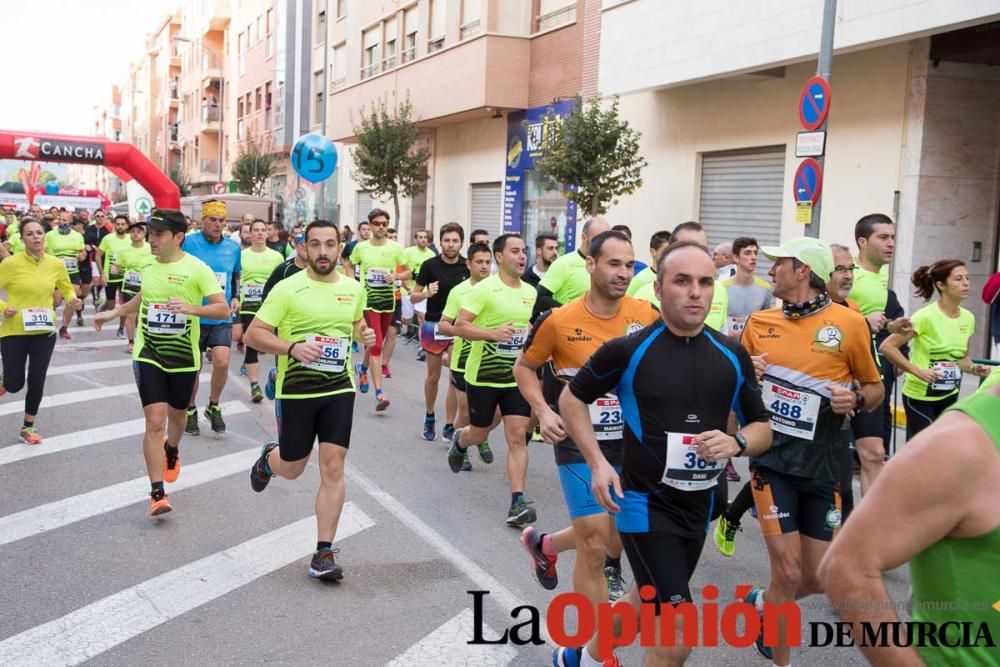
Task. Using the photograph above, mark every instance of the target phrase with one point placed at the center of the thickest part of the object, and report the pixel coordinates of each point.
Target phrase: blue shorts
(580, 500)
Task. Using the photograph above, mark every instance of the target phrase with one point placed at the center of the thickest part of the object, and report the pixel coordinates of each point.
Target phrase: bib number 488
(786, 409)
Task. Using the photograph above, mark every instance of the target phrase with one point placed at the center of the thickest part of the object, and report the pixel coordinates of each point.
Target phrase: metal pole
(326, 101)
(824, 69)
(222, 105)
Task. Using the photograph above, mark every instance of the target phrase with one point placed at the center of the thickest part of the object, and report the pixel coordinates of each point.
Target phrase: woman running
(258, 262)
(28, 332)
(940, 350)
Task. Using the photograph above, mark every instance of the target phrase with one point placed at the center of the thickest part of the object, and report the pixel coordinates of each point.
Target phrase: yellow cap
(213, 208)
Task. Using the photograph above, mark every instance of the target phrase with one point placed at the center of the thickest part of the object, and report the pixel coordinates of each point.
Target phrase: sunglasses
(379, 224)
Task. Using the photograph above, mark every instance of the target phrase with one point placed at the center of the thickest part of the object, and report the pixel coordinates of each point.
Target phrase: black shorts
(458, 381)
(787, 504)
(397, 315)
(246, 319)
(303, 421)
(127, 296)
(86, 275)
(664, 561)
(867, 424)
(483, 403)
(158, 386)
(215, 335)
(76, 278)
(111, 289)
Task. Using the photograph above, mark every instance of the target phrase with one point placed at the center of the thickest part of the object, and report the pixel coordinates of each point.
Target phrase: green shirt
(991, 379)
(640, 280)
(257, 268)
(460, 349)
(170, 340)
(110, 245)
(14, 238)
(66, 247)
(302, 308)
(133, 260)
(414, 258)
(940, 341)
(380, 290)
(567, 277)
(491, 364)
(716, 310)
(871, 290)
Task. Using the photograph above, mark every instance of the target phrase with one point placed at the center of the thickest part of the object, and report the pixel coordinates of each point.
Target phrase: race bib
(685, 470)
(949, 375)
(159, 320)
(222, 278)
(398, 283)
(133, 279)
(793, 411)
(333, 357)
(512, 347)
(606, 416)
(38, 319)
(72, 264)
(440, 336)
(736, 324)
(253, 292)
(377, 278)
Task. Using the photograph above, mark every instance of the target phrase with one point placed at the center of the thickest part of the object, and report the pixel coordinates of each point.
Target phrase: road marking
(483, 580)
(448, 646)
(91, 630)
(92, 436)
(60, 513)
(69, 347)
(69, 397)
(92, 366)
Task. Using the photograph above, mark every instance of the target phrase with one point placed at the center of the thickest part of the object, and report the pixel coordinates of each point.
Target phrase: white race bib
(606, 416)
(685, 470)
(794, 412)
(440, 336)
(333, 357)
(221, 277)
(38, 319)
(735, 324)
(133, 279)
(512, 347)
(253, 292)
(72, 264)
(949, 375)
(159, 320)
(377, 278)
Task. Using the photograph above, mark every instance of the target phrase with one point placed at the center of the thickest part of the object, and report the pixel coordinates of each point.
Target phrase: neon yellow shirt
(567, 277)
(110, 245)
(870, 290)
(459, 348)
(640, 280)
(940, 342)
(133, 261)
(414, 258)
(66, 247)
(257, 268)
(376, 268)
(29, 283)
(491, 364)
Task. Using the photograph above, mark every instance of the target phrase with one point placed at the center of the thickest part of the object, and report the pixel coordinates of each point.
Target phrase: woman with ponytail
(940, 350)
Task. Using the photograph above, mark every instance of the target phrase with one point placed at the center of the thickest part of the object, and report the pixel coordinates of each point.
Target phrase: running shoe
(79, 319)
(362, 378)
(456, 455)
(386, 373)
(121, 333)
(381, 401)
(446, 432)
(271, 386)
(731, 474)
(725, 536)
(259, 477)
(102, 300)
(543, 566)
(213, 413)
(466, 463)
(256, 395)
(192, 423)
(616, 583)
(536, 435)
(171, 464)
(29, 436)
(243, 370)
(159, 505)
(429, 433)
(64, 333)
(765, 651)
(324, 567)
(573, 657)
(421, 355)
(485, 453)
(521, 514)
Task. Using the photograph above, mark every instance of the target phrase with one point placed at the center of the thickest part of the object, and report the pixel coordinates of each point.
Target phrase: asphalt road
(88, 576)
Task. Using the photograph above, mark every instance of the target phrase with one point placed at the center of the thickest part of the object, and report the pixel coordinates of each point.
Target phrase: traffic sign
(803, 212)
(219, 188)
(814, 102)
(810, 144)
(143, 205)
(808, 181)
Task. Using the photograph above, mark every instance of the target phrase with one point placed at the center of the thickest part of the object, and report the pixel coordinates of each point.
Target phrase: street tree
(592, 154)
(387, 160)
(254, 165)
(181, 181)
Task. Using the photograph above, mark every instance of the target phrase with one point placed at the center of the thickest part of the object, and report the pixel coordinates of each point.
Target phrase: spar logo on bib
(829, 337)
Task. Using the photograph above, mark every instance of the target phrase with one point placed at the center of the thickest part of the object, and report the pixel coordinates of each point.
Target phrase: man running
(134, 259)
(274, 240)
(216, 336)
(166, 359)
(746, 292)
(567, 277)
(817, 368)
(68, 246)
(566, 337)
(435, 280)
(546, 252)
(494, 317)
(258, 262)
(675, 439)
(297, 262)
(376, 261)
(107, 264)
(364, 233)
(317, 313)
(657, 242)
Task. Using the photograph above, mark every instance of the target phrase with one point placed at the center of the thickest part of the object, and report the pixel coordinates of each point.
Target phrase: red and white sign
(219, 188)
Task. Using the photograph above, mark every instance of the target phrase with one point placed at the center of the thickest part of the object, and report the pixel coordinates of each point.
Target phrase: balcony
(484, 71)
(210, 118)
(215, 14)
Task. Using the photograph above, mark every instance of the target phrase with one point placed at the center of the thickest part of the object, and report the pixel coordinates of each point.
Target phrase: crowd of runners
(645, 379)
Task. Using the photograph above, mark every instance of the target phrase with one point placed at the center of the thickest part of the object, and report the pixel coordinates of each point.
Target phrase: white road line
(60, 513)
(98, 627)
(72, 347)
(448, 646)
(499, 593)
(66, 398)
(92, 436)
(92, 366)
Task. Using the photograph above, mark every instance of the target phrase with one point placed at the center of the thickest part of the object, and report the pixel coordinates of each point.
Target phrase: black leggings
(17, 350)
(921, 414)
(250, 355)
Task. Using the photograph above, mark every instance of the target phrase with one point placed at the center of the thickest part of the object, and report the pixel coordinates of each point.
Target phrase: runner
(316, 313)
(86, 268)
(674, 435)
(435, 280)
(494, 317)
(944, 487)
(817, 366)
(274, 240)
(746, 292)
(27, 334)
(258, 263)
(940, 335)
(657, 242)
(286, 269)
(377, 260)
(567, 278)
(400, 318)
(134, 260)
(479, 262)
(108, 267)
(565, 337)
(364, 233)
(166, 359)
(546, 252)
(245, 239)
(67, 245)
(222, 255)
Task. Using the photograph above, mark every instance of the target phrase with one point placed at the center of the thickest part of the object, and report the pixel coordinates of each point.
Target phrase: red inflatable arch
(121, 158)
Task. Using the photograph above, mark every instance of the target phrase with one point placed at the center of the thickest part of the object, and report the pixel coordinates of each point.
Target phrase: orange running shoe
(29, 436)
(171, 464)
(158, 506)
(381, 401)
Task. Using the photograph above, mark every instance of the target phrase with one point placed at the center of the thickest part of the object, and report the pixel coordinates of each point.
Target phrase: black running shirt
(436, 270)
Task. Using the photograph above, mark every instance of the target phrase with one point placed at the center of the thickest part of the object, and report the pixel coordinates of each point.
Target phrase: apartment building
(914, 126)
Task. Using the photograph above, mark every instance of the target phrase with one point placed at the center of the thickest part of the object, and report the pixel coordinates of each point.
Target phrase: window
(338, 74)
(318, 97)
(435, 39)
(239, 108)
(269, 38)
(553, 13)
(260, 27)
(389, 55)
(471, 13)
(320, 35)
(249, 104)
(409, 34)
(341, 8)
(370, 58)
(260, 98)
(254, 32)
(240, 46)
(269, 21)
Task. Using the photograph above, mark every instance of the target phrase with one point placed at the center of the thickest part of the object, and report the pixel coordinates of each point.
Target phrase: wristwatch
(859, 399)
(741, 441)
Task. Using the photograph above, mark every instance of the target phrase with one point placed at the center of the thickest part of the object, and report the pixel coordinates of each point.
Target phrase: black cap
(169, 219)
(137, 223)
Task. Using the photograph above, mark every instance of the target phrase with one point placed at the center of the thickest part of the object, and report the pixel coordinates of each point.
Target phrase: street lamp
(222, 91)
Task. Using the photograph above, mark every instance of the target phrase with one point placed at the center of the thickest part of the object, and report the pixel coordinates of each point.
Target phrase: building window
(370, 57)
(269, 38)
(318, 97)
(471, 14)
(260, 98)
(409, 34)
(554, 13)
(341, 8)
(260, 27)
(239, 108)
(320, 35)
(435, 40)
(240, 46)
(389, 55)
(338, 74)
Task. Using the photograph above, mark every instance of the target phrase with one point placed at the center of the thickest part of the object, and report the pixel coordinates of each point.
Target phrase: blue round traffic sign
(808, 181)
(814, 102)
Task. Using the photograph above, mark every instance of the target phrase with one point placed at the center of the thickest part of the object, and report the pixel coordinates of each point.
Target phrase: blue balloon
(314, 157)
(52, 188)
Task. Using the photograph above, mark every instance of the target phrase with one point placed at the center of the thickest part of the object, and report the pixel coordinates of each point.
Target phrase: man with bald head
(567, 278)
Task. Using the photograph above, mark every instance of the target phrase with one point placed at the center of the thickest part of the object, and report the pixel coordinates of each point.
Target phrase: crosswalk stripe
(60, 513)
(448, 645)
(92, 366)
(70, 347)
(68, 397)
(92, 436)
(98, 627)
